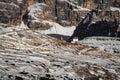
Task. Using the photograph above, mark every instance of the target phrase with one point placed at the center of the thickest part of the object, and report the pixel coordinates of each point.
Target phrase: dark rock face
(100, 28)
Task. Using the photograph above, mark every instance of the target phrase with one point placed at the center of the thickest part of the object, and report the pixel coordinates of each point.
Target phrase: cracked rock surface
(29, 55)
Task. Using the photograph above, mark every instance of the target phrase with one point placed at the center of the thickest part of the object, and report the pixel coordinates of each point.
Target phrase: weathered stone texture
(11, 11)
(61, 11)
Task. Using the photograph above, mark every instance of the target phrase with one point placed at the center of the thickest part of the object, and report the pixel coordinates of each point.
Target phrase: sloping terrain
(26, 53)
(107, 44)
(29, 55)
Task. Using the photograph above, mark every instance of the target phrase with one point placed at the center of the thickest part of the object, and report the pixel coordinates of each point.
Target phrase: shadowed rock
(100, 28)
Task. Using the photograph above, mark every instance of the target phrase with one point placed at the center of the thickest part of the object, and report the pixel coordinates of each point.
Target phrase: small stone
(23, 72)
(48, 75)
(6, 61)
(12, 64)
(18, 78)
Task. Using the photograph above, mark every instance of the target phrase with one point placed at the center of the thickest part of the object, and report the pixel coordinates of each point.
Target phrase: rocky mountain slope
(107, 44)
(27, 53)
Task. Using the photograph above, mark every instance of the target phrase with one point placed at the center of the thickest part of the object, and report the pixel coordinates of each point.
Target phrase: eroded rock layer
(65, 12)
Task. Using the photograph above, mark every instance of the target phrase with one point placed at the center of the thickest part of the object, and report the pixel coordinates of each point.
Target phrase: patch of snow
(58, 29)
(22, 26)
